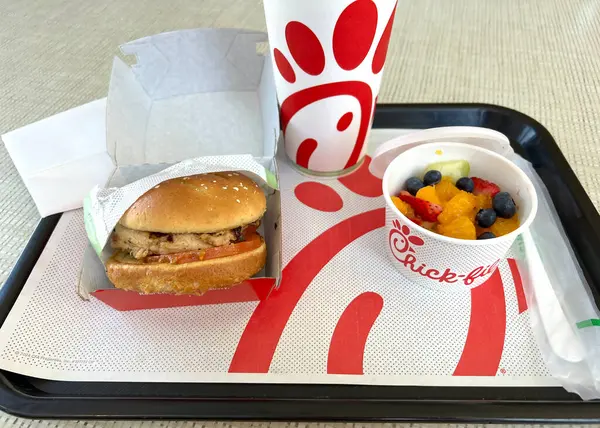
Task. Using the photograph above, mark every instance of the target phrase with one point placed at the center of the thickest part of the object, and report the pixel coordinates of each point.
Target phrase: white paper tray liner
(417, 339)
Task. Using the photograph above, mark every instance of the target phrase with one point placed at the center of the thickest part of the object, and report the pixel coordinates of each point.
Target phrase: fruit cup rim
(525, 223)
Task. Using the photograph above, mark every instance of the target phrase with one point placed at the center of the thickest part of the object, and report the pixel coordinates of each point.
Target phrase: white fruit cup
(328, 62)
(441, 262)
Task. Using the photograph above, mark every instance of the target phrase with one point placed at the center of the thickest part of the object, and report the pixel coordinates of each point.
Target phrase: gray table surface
(541, 57)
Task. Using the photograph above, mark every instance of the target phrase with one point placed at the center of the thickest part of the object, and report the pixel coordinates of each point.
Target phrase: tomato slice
(252, 241)
(249, 231)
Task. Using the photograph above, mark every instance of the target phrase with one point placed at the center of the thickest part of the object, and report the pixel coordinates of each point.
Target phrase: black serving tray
(38, 398)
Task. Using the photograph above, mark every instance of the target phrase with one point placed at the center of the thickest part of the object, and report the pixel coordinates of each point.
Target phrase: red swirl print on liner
(318, 196)
(362, 182)
(487, 330)
(259, 340)
(256, 347)
(305, 48)
(347, 347)
(354, 33)
(520, 292)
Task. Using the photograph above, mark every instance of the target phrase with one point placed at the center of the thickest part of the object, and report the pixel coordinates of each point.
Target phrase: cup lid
(481, 137)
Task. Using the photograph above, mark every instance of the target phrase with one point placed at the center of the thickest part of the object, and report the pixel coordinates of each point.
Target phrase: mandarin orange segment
(483, 201)
(403, 207)
(460, 228)
(446, 190)
(429, 194)
(471, 216)
(463, 204)
(503, 226)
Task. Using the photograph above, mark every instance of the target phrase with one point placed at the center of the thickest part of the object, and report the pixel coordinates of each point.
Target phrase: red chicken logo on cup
(329, 87)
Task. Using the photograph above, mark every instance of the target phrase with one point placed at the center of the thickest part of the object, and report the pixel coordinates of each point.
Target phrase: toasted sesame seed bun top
(203, 203)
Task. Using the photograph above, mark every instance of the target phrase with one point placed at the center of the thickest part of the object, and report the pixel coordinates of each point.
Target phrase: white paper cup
(437, 261)
(328, 62)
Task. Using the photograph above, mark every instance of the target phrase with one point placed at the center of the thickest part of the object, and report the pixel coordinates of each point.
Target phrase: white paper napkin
(62, 157)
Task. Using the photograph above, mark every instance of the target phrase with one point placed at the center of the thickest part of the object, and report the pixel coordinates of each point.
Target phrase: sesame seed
(186, 178)
(225, 187)
(235, 188)
(245, 188)
(214, 181)
(235, 173)
(228, 175)
(237, 200)
(157, 186)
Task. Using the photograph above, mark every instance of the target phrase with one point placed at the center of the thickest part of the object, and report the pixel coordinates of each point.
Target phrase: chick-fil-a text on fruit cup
(441, 262)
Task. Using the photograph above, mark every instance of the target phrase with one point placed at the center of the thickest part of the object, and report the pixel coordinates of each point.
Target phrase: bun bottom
(193, 278)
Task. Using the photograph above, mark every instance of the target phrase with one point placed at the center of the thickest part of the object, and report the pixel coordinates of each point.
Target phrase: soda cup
(328, 59)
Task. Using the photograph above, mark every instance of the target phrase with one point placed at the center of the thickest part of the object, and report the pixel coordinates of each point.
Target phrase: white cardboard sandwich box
(195, 101)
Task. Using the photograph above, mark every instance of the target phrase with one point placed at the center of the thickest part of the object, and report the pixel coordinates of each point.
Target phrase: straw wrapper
(559, 298)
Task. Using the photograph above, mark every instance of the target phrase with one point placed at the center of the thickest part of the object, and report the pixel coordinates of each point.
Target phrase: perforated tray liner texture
(342, 314)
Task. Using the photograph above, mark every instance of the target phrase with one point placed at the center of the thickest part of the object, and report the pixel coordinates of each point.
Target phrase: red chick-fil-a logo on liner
(401, 245)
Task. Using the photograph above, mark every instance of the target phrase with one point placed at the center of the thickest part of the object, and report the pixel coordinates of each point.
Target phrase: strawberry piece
(484, 187)
(416, 220)
(424, 209)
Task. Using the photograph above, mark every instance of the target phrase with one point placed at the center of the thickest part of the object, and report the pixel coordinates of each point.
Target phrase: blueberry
(466, 184)
(485, 218)
(504, 205)
(413, 185)
(432, 177)
(486, 235)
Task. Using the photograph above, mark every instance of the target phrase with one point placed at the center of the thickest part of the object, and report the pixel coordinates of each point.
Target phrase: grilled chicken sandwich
(189, 235)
